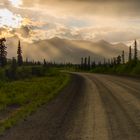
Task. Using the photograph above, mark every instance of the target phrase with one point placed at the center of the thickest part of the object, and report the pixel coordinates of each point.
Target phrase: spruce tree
(19, 53)
(123, 57)
(119, 60)
(135, 51)
(85, 63)
(89, 63)
(44, 62)
(130, 54)
(3, 52)
(82, 63)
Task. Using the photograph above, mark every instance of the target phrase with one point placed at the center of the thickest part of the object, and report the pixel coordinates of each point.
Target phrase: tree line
(17, 68)
(19, 61)
(3, 54)
(106, 65)
(115, 62)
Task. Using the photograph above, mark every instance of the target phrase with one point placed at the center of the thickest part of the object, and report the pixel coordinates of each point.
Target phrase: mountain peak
(55, 38)
(103, 41)
(120, 45)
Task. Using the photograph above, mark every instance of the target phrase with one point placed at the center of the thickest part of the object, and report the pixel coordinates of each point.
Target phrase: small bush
(38, 71)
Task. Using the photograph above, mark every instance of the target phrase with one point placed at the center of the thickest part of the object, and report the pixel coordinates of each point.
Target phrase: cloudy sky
(111, 20)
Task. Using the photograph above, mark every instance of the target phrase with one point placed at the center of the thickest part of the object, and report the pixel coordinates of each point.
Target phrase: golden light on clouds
(111, 20)
(6, 33)
(29, 22)
(26, 21)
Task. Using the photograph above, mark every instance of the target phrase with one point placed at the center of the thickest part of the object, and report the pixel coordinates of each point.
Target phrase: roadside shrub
(2, 75)
(24, 72)
(38, 71)
(136, 70)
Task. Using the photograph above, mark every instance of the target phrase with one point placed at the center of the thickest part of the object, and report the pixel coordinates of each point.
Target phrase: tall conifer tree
(135, 51)
(3, 52)
(89, 63)
(123, 57)
(19, 54)
(130, 53)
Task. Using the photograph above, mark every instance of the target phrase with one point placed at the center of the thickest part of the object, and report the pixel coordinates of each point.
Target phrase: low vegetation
(20, 98)
(130, 68)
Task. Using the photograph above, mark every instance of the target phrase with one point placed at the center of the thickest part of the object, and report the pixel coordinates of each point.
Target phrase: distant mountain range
(62, 50)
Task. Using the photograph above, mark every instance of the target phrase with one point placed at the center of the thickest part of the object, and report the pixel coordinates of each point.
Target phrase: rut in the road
(122, 126)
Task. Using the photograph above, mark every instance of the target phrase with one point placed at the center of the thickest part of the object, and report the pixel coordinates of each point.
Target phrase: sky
(110, 20)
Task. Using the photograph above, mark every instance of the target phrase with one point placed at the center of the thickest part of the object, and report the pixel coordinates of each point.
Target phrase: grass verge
(28, 95)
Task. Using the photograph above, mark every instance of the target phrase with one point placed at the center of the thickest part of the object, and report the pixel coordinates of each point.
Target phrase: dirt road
(92, 107)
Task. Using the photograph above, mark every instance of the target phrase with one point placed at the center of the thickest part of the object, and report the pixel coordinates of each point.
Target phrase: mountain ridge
(63, 50)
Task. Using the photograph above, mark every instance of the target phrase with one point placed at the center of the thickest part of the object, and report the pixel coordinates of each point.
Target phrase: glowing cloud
(7, 18)
(16, 3)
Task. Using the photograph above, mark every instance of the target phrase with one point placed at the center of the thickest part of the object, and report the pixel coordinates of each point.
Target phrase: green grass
(27, 95)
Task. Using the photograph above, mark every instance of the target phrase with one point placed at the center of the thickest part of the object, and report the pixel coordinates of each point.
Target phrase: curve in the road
(91, 107)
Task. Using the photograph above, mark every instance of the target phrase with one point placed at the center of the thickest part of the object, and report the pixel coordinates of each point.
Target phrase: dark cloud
(46, 1)
(97, 7)
(24, 31)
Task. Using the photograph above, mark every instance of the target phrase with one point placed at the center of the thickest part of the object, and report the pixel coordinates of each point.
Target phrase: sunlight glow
(7, 18)
(16, 3)
(6, 33)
